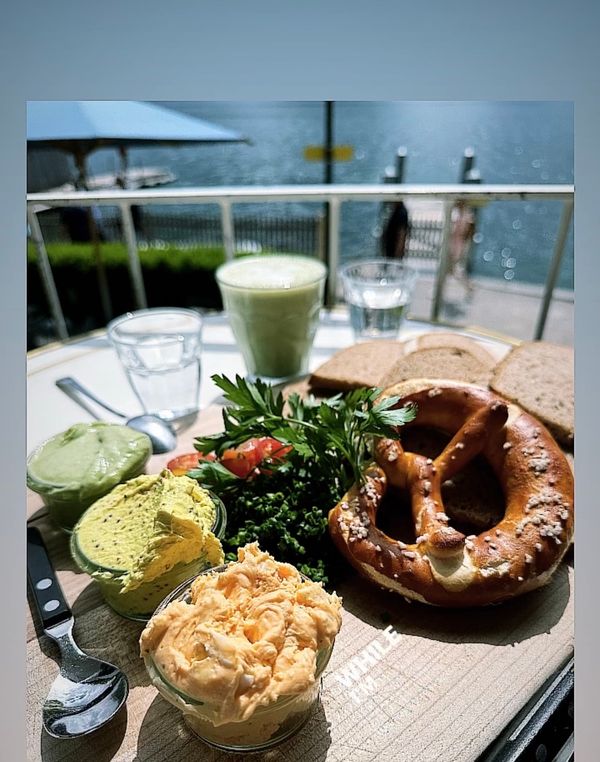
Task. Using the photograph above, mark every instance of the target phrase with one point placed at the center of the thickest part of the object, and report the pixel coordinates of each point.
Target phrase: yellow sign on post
(338, 153)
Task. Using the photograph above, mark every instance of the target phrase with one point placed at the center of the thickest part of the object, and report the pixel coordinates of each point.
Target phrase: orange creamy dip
(249, 636)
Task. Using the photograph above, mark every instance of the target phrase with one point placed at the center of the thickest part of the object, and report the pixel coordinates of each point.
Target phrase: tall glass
(160, 351)
(273, 304)
(378, 294)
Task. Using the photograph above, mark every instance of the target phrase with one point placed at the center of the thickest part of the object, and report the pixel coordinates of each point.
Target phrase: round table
(450, 686)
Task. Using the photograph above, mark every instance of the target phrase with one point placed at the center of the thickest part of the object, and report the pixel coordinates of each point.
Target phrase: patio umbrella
(80, 127)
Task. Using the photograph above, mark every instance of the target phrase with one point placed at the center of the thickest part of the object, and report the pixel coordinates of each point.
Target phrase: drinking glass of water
(378, 294)
(160, 351)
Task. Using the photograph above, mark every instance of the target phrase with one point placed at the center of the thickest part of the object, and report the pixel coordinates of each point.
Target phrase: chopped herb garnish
(285, 505)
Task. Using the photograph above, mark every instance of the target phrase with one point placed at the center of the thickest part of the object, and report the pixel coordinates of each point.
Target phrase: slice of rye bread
(538, 376)
(473, 498)
(304, 389)
(447, 339)
(451, 362)
(357, 366)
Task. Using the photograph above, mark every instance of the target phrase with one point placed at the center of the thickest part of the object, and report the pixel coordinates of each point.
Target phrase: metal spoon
(161, 434)
(88, 692)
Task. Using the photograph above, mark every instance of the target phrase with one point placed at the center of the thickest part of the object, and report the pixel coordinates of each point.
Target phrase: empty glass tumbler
(160, 351)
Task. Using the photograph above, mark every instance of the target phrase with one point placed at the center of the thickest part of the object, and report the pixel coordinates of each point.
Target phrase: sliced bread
(359, 365)
(472, 498)
(447, 339)
(304, 389)
(451, 362)
(538, 376)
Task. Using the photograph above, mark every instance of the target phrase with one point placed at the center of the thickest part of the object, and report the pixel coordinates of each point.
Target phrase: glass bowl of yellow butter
(146, 537)
(230, 703)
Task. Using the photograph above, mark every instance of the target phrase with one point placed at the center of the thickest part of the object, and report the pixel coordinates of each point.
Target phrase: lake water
(514, 142)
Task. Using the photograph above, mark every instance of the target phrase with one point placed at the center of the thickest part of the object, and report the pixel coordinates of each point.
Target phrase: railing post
(46, 273)
(442, 270)
(333, 250)
(321, 243)
(227, 229)
(554, 269)
(135, 267)
(401, 155)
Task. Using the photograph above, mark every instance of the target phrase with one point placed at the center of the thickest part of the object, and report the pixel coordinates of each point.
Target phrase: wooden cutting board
(405, 682)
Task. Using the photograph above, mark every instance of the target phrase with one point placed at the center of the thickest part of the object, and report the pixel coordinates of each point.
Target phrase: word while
(354, 675)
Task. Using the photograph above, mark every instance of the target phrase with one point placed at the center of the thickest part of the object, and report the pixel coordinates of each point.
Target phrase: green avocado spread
(146, 526)
(81, 464)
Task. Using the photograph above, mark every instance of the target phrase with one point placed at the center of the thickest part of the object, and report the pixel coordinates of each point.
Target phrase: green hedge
(173, 277)
(81, 256)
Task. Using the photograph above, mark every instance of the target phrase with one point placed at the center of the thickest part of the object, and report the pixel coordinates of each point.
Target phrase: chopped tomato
(272, 449)
(245, 460)
(184, 463)
(241, 460)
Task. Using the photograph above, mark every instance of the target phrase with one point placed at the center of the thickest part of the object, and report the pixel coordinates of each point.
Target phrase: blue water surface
(514, 142)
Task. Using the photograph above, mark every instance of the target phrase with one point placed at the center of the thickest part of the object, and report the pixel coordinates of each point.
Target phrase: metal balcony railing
(333, 195)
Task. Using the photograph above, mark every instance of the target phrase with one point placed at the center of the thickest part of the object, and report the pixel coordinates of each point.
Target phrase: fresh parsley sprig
(336, 433)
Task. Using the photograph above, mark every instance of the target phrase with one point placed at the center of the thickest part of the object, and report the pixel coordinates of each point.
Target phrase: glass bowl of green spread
(71, 470)
(146, 537)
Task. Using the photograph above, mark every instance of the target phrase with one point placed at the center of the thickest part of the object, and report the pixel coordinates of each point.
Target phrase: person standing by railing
(461, 238)
(394, 239)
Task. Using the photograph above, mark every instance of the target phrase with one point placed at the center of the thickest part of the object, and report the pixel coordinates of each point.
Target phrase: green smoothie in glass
(273, 304)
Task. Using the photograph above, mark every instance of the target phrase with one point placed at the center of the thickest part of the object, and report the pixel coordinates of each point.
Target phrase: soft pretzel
(443, 567)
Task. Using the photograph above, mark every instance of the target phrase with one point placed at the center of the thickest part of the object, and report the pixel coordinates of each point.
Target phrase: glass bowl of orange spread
(241, 648)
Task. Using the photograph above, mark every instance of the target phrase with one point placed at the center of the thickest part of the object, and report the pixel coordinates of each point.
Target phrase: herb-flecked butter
(136, 540)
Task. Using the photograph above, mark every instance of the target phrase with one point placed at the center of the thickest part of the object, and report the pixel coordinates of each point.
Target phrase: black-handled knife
(49, 599)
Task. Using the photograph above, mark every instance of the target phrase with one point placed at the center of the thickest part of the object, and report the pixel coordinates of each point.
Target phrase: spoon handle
(77, 392)
(49, 599)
